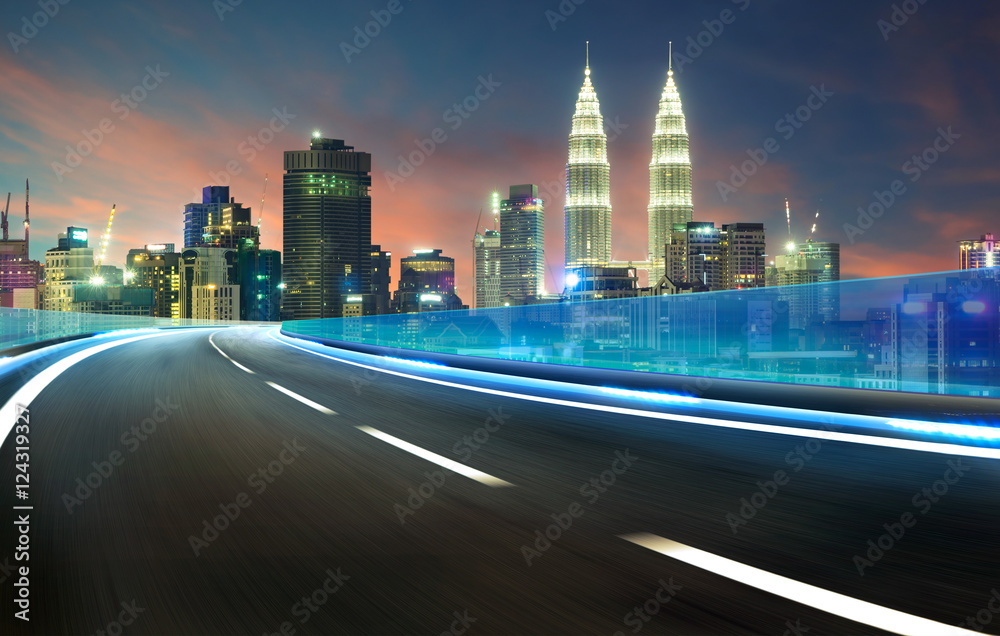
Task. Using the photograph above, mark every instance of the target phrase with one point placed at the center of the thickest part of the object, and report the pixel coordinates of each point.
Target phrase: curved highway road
(233, 481)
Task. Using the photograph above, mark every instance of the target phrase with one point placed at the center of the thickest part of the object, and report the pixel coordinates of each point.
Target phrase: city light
(790, 247)
(572, 280)
(423, 251)
(96, 280)
(317, 134)
(426, 298)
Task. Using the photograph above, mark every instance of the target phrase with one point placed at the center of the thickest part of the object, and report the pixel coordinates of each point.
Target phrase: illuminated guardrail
(26, 326)
(930, 333)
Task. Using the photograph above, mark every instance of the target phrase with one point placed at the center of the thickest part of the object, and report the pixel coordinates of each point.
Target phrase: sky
(141, 104)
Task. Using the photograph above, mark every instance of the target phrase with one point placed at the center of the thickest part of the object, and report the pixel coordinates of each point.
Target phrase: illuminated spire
(588, 175)
(669, 174)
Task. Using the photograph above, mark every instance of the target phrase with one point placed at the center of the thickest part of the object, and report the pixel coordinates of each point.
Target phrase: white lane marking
(27, 393)
(844, 606)
(853, 438)
(212, 342)
(304, 400)
(443, 462)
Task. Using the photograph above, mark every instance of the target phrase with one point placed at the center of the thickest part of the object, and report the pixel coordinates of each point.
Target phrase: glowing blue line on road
(854, 438)
(417, 363)
(124, 332)
(27, 393)
(668, 398)
(955, 430)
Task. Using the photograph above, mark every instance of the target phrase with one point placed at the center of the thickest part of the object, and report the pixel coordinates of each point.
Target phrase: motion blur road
(335, 508)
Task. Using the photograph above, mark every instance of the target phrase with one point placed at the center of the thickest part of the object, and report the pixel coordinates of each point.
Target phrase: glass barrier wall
(931, 333)
(25, 326)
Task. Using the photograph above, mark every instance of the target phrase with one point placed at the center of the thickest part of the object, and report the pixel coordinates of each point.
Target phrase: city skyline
(886, 111)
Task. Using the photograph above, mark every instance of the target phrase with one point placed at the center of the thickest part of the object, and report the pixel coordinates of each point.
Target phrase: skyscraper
(976, 254)
(258, 273)
(426, 283)
(68, 265)
(693, 254)
(829, 253)
(588, 183)
(327, 229)
(669, 176)
(806, 264)
(215, 201)
(159, 272)
(743, 250)
(231, 229)
(209, 268)
(486, 264)
(381, 279)
(522, 244)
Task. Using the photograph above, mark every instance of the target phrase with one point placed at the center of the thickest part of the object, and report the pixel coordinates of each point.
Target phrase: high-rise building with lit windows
(381, 279)
(669, 176)
(159, 271)
(743, 250)
(522, 245)
(693, 254)
(426, 283)
(588, 184)
(977, 254)
(216, 211)
(486, 264)
(327, 229)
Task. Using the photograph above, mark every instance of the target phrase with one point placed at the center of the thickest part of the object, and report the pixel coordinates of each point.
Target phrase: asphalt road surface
(340, 523)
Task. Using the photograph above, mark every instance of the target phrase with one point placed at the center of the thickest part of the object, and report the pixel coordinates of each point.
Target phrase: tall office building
(522, 244)
(670, 200)
(214, 202)
(486, 263)
(743, 251)
(588, 184)
(381, 280)
(693, 254)
(829, 253)
(812, 270)
(204, 272)
(160, 272)
(258, 274)
(426, 283)
(231, 229)
(69, 264)
(977, 254)
(327, 229)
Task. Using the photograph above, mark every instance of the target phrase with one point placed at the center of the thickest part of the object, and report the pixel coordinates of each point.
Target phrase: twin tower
(588, 181)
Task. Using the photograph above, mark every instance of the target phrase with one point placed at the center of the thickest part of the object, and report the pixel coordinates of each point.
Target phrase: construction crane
(3, 218)
(97, 279)
(260, 214)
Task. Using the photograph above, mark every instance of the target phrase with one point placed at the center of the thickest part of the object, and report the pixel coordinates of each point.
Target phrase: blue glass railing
(27, 326)
(930, 333)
